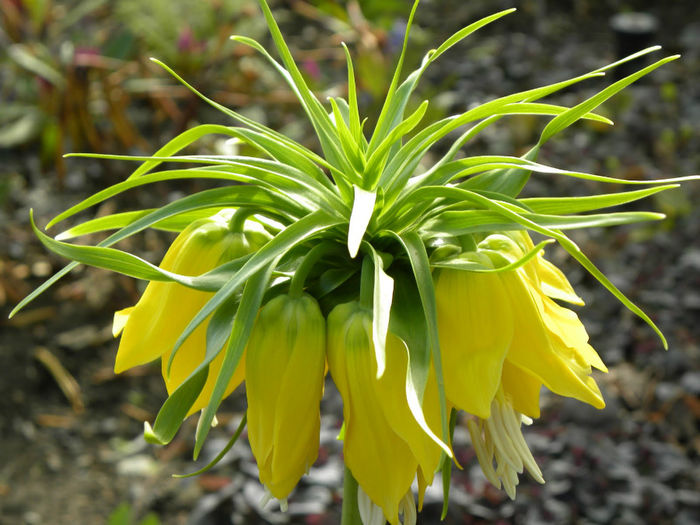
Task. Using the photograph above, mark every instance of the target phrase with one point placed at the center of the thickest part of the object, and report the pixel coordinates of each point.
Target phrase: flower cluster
(502, 338)
(411, 278)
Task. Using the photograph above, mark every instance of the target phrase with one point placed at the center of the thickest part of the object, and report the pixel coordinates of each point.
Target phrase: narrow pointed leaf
(251, 301)
(362, 209)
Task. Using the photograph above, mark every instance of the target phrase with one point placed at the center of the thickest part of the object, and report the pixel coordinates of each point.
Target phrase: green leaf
(278, 173)
(331, 280)
(378, 157)
(362, 209)
(250, 196)
(107, 258)
(350, 147)
(466, 31)
(176, 144)
(628, 58)
(173, 411)
(401, 169)
(408, 323)
(246, 314)
(396, 106)
(221, 454)
(218, 197)
(120, 220)
(507, 180)
(538, 108)
(313, 108)
(407, 158)
(519, 163)
(390, 110)
(402, 166)
(446, 468)
(569, 117)
(283, 140)
(558, 205)
(354, 114)
(133, 266)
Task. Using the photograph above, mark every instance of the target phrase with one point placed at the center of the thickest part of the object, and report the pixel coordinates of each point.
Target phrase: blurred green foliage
(123, 515)
(76, 74)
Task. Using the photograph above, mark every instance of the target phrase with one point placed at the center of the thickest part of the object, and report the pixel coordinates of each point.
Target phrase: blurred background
(75, 76)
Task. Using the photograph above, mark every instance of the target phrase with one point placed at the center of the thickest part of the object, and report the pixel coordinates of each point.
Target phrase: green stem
(351, 512)
(296, 286)
(238, 219)
(468, 243)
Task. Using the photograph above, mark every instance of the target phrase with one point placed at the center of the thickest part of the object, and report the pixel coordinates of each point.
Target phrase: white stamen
(500, 438)
(485, 459)
(407, 507)
(370, 514)
(266, 498)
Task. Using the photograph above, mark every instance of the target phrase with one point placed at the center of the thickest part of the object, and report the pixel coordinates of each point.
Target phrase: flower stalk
(350, 514)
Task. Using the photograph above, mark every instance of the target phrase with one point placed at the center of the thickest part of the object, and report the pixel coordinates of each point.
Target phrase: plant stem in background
(351, 512)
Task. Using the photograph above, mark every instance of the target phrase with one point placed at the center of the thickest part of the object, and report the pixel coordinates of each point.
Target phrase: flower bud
(285, 368)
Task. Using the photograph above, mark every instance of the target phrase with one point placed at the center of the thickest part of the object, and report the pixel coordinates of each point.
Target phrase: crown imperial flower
(384, 445)
(284, 369)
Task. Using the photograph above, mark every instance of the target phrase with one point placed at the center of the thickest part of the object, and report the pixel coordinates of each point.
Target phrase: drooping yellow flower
(285, 368)
(384, 446)
(505, 328)
(150, 328)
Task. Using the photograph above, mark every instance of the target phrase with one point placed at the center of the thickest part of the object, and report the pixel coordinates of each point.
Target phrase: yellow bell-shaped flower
(285, 367)
(504, 329)
(150, 328)
(384, 446)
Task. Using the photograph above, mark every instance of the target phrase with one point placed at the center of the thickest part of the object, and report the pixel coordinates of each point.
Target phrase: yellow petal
(155, 323)
(120, 319)
(475, 324)
(536, 350)
(151, 328)
(542, 274)
(521, 389)
(554, 283)
(391, 393)
(165, 308)
(565, 326)
(190, 356)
